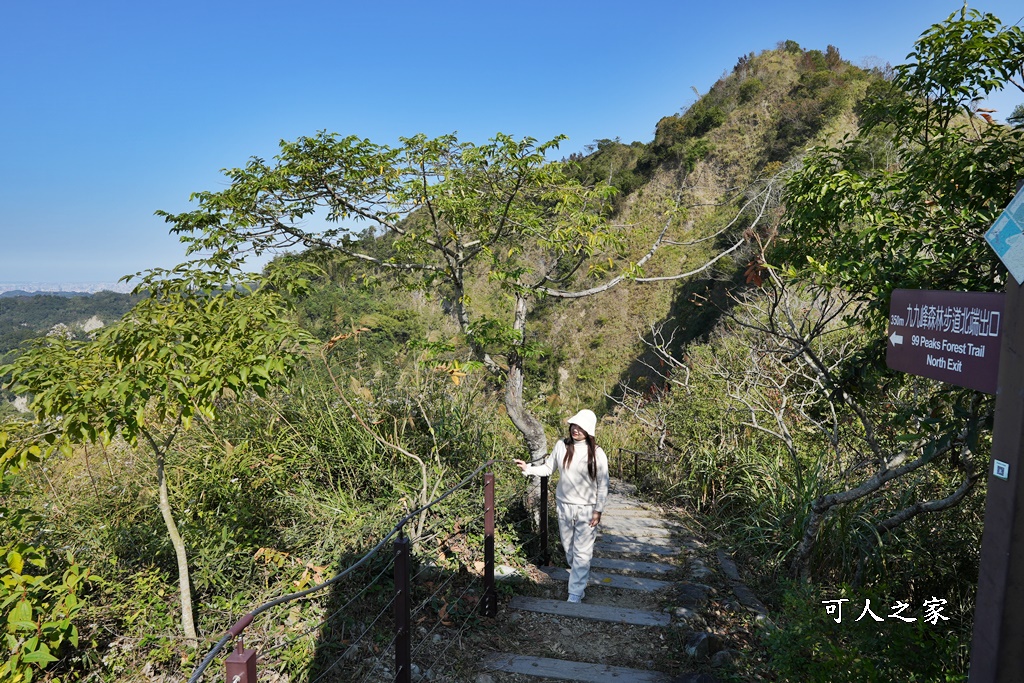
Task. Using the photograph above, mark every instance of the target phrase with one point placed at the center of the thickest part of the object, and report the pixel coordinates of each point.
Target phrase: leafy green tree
(441, 214)
(204, 332)
(1017, 116)
(905, 204)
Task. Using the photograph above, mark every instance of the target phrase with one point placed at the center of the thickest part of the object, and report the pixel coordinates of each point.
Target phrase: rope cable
(377, 662)
(439, 622)
(356, 641)
(331, 616)
(242, 623)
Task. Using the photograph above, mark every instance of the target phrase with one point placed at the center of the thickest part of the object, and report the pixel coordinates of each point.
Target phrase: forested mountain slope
(713, 171)
(32, 315)
(237, 437)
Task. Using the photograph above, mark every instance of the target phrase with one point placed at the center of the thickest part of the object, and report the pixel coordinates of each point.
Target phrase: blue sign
(1006, 237)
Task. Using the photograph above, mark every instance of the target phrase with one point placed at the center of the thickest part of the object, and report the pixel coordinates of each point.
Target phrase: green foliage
(791, 46)
(955, 63)
(676, 137)
(488, 204)
(203, 333)
(823, 91)
(449, 214)
(445, 207)
(832, 58)
(902, 204)
(198, 333)
(1016, 117)
(750, 88)
(913, 218)
(730, 429)
(37, 609)
(813, 60)
(387, 323)
(610, 162)
(809, 645)
(275, 493)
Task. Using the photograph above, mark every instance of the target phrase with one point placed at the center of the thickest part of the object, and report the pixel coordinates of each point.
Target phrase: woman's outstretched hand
(521, 464)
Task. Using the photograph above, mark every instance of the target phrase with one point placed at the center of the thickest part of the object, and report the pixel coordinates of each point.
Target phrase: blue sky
(112, 110)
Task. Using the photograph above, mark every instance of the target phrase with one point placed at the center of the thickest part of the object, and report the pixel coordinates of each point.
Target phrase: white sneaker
(575, 598)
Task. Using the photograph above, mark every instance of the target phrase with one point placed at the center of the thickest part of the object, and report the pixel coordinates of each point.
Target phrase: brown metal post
(636, 468)
(489, 604)
(403, 639)
(240, 666)
(545, 556)
(999, 609)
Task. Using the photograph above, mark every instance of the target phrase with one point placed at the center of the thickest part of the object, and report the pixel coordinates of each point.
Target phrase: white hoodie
(575, 487)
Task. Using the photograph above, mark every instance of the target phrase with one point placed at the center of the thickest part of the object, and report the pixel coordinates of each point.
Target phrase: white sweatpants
(578, 540)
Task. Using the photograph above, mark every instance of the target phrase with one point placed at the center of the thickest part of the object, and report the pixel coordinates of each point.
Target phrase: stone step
(664, 541)
(638, 522)
(617, 528)
(610, 580)
(562, 670)
(740, 589)
(618, 615)
(632, 566)
(615, 500)
(619, 501)
(627, 510)
(630, 546)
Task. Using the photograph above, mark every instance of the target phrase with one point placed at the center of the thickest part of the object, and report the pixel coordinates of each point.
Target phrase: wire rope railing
(641, 456)
(388, 607)
(326, 620)
(431, 593)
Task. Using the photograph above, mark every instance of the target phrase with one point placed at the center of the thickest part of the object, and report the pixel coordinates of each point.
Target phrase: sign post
(999, 607)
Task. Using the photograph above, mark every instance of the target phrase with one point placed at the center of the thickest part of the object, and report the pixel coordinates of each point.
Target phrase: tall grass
(275, 494)
(752, 480)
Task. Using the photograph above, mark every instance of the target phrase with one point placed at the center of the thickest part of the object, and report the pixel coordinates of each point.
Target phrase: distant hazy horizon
(58, 287)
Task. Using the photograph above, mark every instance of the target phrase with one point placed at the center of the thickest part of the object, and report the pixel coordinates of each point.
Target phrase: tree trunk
(528, 425)
(185, 587)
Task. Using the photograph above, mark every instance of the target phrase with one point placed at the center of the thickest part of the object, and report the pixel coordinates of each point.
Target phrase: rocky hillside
(716, 164)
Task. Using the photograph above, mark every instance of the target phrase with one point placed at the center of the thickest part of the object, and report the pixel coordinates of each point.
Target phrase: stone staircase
(633, 572)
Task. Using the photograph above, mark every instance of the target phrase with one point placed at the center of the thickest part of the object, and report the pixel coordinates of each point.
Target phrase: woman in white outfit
(580, 496)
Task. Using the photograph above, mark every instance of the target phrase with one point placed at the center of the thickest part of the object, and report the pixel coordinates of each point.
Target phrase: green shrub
(38, 608)
(810, 645)
(702, 119)
(750, 88)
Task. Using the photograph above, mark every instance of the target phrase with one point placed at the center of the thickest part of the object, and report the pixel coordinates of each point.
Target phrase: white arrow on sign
(896, 339)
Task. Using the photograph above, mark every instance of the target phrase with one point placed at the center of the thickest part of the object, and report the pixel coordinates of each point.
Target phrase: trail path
(643, 618)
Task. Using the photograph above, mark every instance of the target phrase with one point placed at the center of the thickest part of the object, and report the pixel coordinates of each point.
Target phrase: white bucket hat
(585, 420)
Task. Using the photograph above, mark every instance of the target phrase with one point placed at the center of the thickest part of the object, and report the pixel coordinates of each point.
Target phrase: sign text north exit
(949, 336)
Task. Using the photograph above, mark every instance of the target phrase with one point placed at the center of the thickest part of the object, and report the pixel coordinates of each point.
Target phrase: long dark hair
(570, 447)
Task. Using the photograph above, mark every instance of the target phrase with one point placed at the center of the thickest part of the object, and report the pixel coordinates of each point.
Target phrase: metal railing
(638, 457)
(241, 665)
